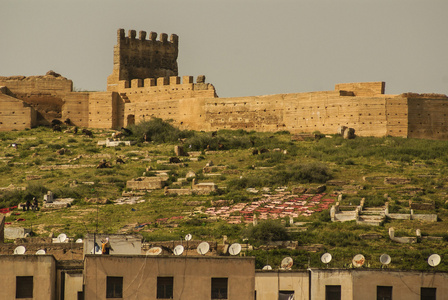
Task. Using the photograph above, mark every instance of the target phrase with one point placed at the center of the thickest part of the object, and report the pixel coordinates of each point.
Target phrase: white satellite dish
(385, 259)
(154, 251)
(79, 241)
(178, 250)
(267, 267)
(287, 263)
(326, 258)
(235, 249)
(203, 248)
(20, 250)
(358, 260)
(40, 252)
(188, 237)
(62, 238)
(434, 260)
(96, 250)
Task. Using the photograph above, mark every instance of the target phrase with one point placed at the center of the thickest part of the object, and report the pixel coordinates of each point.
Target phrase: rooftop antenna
(62, 238)
(287, 263)
(434, 260)
(178, 250)
(358, 260)
(154, 251)
(20, 250)
(203, 248)
(40, 252)
(326, 258)
(385, 259)
(235, 249)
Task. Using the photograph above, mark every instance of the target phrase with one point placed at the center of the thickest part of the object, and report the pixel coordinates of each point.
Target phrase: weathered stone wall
(103, 110)
(76, 108)
(397, 112)
(139, 58)
(428, 117)
(43, 93)
(15, 114)
(303, 112)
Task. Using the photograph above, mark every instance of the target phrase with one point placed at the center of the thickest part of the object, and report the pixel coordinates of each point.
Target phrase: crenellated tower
(141, 58)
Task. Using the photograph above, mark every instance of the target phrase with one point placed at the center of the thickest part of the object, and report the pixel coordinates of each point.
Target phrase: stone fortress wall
(144, 83)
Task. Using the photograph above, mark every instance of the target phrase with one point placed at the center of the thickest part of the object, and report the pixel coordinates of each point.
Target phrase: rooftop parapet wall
(139, 58)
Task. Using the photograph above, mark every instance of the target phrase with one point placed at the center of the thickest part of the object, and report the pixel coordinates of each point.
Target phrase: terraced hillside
(230, 180)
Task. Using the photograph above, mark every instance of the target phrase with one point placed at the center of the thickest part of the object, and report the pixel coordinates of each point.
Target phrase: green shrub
(266, 231)
(158, 131)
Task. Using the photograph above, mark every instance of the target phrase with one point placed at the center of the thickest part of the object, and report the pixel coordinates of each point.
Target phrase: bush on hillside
(158, 131)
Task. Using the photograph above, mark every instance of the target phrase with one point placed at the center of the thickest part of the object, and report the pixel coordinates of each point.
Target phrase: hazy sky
(244, 47)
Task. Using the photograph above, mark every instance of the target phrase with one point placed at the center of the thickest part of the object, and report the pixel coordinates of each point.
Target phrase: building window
(285, 295)
(164, 287)
(384, 292)
(24, 287)
(332, 292)
(114, 287)
(219, 288)
(428, 293)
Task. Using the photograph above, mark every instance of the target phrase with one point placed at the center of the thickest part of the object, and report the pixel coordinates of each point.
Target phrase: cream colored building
(168, 277)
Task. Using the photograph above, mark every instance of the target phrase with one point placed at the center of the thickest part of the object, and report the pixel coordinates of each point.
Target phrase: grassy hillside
(356, 168)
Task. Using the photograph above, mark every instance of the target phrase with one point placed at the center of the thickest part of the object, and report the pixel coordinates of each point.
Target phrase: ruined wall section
(76, 108)
(15, 114)
(139, 58)
(363, 88)
(43, 93)
(428, 116)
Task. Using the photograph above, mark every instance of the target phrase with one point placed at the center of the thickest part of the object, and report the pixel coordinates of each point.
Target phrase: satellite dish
(62, 238)
(326, 258)
(235, 249)
(178, 250)
(434, 260)
(40, 252)
(203, 248)
(79, 241)
(267, 267)
(287, 263)
(20, 250)
(188, 237)
(154, 251)
(359, 260)
(96, 250)
(385, 259)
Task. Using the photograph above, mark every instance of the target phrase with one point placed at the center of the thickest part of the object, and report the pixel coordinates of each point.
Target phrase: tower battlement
(141, 58)
(152, 37)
